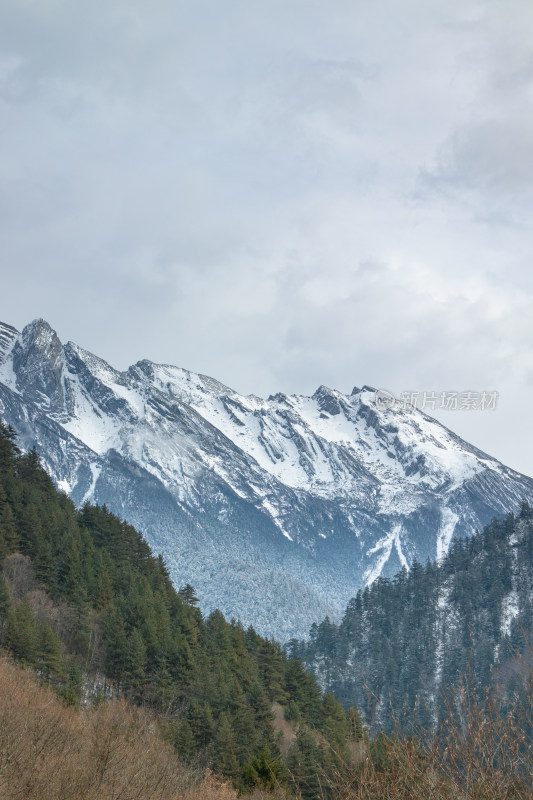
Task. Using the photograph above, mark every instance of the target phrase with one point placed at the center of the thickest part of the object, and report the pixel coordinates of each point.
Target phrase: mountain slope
(85, 604)
(277, 510)
(404, 644)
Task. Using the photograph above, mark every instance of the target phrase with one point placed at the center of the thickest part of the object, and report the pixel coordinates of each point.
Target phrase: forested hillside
(85, 604)
(405, 643)
(53, 751)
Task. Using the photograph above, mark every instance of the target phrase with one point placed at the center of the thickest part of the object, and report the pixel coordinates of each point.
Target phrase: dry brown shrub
(49, 751)
(483, 751)
(19, 574)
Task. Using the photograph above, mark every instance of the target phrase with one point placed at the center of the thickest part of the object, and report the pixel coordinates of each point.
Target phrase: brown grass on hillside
(49, 751)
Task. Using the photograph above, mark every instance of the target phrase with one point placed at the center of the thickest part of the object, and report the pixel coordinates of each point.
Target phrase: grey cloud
(236, 188)
(495, 155)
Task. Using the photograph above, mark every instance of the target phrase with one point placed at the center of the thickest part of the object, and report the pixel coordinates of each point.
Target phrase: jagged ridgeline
(277, 510)
(85, 604)
(405, 643)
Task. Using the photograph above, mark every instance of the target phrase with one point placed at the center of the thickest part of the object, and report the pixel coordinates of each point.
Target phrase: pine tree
(246, 732)
(70, 570)
(526, 511)
(271, 667)
(187, 595)
(225, 749)
(29, 468)
(30, 528)
(45, 564)
(104, 591)
(5, 600)
(71, 693)
(304, 765)
(264, 770)
(115, 642)
(258, 700)
(136, 667)
(183, 739)
(356, 724)
(49, 658)
(8, 449)
(121, 615)
(22, 634)
(200, 718)
(336, 725)
(8, 531)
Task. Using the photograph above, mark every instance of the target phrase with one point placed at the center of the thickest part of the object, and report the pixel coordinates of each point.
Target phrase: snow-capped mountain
(276, 510)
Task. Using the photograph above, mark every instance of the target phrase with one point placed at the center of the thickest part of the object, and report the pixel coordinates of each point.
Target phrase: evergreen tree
(71, 693)
(183, 740)
(8, 531)
(5, 600)
(70, 569)
(104, 592)
(304, 765)
(50, 659)
(136, 663)
(400, 640)
(8, 450)
(116, 660)
(356, 724)
(200, 718)
(225, 749)
(188, 596)
(22, 634)
(264, 770)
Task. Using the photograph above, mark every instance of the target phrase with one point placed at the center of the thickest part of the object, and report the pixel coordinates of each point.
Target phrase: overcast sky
(279, 193)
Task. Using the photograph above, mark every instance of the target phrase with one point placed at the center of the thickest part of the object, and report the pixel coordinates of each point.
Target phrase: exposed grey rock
(276, 510)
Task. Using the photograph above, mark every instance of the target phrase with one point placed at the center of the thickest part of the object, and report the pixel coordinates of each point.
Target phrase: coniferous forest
(140, 696)
(404, 645)
(86, 605)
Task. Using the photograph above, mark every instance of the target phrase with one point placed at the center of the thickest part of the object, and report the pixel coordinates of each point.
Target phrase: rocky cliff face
(276, 510)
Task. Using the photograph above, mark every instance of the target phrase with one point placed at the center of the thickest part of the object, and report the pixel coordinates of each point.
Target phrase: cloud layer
(280, 194)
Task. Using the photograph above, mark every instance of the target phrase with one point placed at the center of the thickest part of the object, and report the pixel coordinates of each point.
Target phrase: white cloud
(279, 194)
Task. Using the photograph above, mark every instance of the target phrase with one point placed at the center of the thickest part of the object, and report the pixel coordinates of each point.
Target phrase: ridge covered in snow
(277, 509)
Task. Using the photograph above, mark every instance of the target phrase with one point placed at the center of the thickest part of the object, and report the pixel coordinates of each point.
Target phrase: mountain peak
(328, 400)
(297, 500)
(37, 363)
(40, 333)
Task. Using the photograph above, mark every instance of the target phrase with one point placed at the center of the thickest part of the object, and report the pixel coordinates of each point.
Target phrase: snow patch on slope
(90, 424)
(442, 606)
(384, 548)
(89, 494)
(7, 374)
(445, 534)
(510, 609)
(8, 337)
(274, 514)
